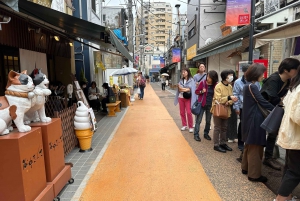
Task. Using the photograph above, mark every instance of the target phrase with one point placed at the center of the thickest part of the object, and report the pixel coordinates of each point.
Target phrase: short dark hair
(189, 72)
(93, 83)
(214, 76)
(201, 62)
(225, 73)
(105, 85)
(254, 72)
(288, 64)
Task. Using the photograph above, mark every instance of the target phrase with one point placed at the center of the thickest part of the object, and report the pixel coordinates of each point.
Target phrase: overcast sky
(183, 6)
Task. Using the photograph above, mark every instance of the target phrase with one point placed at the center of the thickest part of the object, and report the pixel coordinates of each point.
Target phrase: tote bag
(220, 111)
(272, 123)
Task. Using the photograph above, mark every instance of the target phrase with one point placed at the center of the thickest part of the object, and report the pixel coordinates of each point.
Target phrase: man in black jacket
(274, 88)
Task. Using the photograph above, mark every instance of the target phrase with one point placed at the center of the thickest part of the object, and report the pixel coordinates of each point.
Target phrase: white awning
(289, 30)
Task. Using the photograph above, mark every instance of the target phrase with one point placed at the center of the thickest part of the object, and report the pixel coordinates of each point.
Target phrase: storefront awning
(220, 49)
(72, 26)
(289, 30)
(116, 42)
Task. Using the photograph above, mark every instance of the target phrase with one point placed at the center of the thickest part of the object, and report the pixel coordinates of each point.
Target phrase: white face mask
(230, 78)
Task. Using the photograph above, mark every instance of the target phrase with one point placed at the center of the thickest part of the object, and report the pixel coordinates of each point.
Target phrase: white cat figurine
(37, 111)
(17, 101)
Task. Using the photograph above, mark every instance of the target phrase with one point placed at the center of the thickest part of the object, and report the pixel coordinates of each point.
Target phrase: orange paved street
(149, 159)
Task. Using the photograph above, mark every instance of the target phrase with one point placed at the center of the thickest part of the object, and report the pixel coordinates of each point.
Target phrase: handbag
(220, 111)
(197, 106)
(112, 99)
(272, 123)
(187, 95)
(264, 111)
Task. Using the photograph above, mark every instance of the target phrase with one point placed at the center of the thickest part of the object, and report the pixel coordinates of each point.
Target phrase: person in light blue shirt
(238, 105)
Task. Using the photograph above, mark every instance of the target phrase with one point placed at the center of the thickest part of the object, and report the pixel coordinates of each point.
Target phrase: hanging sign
(176, 55)
(238, 12)
(162, 62)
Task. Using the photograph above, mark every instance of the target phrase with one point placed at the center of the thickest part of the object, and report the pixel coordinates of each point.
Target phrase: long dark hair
(295, 81)
(189, 73)
(213, 76)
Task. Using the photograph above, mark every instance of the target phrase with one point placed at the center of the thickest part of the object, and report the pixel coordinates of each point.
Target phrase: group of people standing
(244, 97)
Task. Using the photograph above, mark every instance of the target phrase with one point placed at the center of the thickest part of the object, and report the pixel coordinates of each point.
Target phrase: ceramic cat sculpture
(17, 101)
(37, 111)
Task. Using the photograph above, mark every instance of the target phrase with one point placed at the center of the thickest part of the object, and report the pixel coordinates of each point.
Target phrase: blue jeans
(142, 92)
(208, 115)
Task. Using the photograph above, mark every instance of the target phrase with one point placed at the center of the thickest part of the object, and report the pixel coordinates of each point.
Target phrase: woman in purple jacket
(205, 92)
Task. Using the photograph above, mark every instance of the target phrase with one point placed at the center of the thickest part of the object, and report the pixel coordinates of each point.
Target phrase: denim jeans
(142, 92)
(208, 114)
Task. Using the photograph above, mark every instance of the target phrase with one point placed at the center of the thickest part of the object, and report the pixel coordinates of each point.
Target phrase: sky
(183, 6)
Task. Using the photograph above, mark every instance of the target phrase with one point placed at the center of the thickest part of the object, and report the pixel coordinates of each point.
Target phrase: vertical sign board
(238, 12)
(162, 62)
(176, 55)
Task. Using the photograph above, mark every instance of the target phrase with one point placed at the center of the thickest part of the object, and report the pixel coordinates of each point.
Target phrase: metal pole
(142, 39)
(198, 18)
(251, 32)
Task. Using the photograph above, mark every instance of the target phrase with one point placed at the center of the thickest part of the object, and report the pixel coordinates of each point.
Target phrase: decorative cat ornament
(17, 101)
(37, 111)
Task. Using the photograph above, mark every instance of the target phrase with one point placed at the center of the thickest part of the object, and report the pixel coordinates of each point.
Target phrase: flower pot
(85, 139)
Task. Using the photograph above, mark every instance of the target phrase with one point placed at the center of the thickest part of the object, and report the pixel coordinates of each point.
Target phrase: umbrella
(165, 74)
(124, 71)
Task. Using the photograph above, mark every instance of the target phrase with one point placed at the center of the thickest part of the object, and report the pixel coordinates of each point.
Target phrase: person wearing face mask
(222, 95)
(252, 134)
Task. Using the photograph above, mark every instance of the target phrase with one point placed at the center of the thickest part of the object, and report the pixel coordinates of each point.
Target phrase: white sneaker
(230, 141)
(194, 126)
(183, 128)
(191, 130)
(235, 140)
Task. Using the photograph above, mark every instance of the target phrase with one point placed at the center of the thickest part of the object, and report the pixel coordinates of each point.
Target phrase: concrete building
(157, 25)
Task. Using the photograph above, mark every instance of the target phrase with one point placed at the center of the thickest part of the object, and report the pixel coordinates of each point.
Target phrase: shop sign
(162, 62)
(191, 52)
(156, 66)
(238, 12)
(58, 5)
(226, 30)
(148, 49)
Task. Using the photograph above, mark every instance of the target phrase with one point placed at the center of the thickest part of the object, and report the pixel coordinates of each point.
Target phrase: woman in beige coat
(289, 139)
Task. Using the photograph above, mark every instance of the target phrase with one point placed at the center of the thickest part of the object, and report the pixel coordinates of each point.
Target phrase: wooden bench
(113, 108)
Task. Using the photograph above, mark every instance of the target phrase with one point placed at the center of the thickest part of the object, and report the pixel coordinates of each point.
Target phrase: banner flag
(238, 12)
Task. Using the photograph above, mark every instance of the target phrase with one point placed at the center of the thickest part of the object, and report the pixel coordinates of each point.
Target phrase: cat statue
(17, 101)
(37, 111)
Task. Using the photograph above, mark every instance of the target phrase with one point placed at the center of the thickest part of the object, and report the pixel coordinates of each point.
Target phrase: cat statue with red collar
(17, 101)
(37, 111)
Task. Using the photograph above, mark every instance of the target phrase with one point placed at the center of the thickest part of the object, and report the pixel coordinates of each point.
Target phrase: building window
(93, 5)
(191, 33)
(104, 17)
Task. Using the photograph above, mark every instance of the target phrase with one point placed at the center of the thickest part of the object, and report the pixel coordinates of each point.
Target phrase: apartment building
(157, 23)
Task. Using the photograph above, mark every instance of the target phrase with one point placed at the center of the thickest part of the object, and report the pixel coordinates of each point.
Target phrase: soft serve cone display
(83, 127)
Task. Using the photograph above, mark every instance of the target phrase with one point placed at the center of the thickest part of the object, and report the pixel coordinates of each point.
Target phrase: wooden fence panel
(67, 122)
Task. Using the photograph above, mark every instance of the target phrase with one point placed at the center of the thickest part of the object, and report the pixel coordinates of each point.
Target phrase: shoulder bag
(220, 110)
(273, 121)
(264, 111)
(197, 106)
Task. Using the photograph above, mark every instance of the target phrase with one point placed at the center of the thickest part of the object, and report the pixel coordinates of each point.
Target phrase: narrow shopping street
(145, 156)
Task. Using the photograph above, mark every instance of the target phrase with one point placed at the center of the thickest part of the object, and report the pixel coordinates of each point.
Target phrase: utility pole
(251, 32)
(130, 44)
(142, 38)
